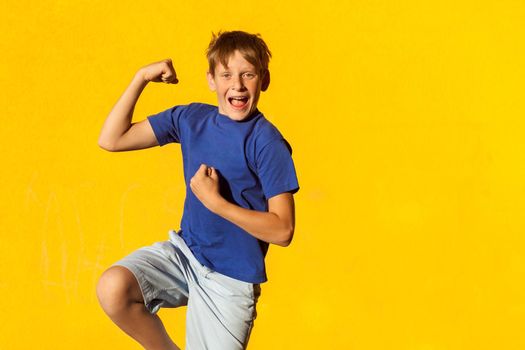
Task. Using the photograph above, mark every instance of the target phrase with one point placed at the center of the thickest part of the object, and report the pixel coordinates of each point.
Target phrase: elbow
(106, 146)
(286, 237)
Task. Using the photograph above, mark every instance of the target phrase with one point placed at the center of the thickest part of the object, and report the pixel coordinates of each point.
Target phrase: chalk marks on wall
(61, 229)
(75, 233)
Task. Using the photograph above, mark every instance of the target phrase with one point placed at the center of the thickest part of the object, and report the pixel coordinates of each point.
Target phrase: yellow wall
(406, 120)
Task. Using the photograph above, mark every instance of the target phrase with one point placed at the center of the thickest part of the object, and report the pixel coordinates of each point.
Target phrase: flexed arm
(118, 133)
(274, 226)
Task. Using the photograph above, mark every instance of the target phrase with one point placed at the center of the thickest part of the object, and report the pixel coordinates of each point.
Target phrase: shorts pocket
(230, 286)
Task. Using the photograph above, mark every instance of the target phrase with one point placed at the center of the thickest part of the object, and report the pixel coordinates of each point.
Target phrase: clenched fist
(205, 185)
(161, 71)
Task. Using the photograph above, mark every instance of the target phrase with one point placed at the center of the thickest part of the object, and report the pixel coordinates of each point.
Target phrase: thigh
(221, 312)
(161, 273)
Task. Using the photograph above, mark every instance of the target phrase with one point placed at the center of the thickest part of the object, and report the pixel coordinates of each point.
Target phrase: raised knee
(115, 289)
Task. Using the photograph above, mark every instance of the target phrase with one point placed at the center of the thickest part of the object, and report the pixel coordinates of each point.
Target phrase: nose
(237, 83)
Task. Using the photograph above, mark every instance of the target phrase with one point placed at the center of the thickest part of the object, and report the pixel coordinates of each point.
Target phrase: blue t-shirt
(254, 164)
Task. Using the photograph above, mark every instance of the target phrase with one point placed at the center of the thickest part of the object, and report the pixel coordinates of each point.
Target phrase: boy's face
(237, 86)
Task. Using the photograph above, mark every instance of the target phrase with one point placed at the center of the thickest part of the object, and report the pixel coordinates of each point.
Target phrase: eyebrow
(252, 71)
(242, 68)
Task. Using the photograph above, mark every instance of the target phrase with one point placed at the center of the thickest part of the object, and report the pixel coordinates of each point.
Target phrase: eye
(226, 75)
(249, 75)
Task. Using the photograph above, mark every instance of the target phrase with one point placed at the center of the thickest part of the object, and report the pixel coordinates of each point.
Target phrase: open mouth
(238, 102)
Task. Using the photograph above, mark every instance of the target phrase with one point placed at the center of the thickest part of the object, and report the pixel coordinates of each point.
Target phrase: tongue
(238, 103)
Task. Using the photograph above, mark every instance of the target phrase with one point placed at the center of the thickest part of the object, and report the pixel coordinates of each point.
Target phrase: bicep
(283, 206)
(139, 136)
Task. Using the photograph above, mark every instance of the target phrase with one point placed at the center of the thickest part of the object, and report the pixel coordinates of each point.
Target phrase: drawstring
(207, 271)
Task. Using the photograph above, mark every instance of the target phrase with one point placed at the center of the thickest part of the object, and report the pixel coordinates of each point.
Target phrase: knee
(114, 289)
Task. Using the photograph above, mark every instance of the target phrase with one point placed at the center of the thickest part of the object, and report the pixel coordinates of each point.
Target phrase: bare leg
(119, 295)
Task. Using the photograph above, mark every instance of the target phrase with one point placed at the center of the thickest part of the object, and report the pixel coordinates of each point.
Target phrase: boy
(240, 181)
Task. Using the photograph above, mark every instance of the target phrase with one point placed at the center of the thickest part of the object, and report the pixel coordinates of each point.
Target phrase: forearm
(119, 119)
(266, 226)
(273, 226)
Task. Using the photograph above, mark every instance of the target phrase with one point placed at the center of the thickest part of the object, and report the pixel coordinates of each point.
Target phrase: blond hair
(251, 46)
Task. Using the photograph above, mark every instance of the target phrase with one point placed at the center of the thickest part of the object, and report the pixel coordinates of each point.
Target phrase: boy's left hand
(205, 185)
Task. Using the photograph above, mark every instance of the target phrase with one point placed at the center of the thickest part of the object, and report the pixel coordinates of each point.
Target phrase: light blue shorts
(221, 310)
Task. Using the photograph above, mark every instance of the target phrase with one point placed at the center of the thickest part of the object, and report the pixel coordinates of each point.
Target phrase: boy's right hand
(161, 71)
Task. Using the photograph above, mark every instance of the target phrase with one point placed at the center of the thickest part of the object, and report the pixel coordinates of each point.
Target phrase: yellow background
(406, 120)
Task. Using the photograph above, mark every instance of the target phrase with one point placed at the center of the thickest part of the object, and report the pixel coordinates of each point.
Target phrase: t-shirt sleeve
(166, 125)
(276, 169)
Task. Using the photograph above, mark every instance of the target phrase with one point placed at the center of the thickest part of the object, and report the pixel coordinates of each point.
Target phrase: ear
(211, 81)
(265, 80)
